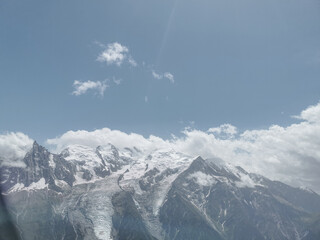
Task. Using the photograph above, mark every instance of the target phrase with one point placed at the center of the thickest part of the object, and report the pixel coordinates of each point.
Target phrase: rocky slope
(108, 193)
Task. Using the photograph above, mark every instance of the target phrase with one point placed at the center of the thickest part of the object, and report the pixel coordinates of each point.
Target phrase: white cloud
(104, 136)
(169, 76)
(166, 75)
(246, 181)
(289, 154)
(132, 62)
(156, 75)
(117, 81)
(13, 147)
(115, 53)
(202, 179)
(100, 44)
(146, 99)
(82, 87)
(226, 129)
(311, 114)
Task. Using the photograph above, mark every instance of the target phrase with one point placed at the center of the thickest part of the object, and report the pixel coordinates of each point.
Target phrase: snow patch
(17, 187)
(41, 184)
(62, 184)
(83, 154)
(52, 164)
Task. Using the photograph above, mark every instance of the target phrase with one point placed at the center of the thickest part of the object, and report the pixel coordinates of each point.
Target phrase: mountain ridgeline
(108, 193)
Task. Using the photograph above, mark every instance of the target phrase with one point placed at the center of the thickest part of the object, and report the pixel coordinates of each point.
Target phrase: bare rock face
(235, 204)
(127, 221)
(126, 194)
(40, 166)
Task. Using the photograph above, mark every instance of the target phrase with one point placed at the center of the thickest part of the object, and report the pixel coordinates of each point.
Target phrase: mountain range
(126, 194)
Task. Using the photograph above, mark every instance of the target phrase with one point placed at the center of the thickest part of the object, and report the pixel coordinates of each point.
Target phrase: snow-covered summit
(83, 155)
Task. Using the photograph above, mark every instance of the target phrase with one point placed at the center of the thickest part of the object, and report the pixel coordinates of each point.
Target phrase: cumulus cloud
(166, 75)
(227, 129)
(115, 53)
(311, 114)
(83, 87)
(290, 154)
(13, 147)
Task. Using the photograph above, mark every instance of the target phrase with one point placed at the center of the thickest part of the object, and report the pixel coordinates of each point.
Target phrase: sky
(165, 68)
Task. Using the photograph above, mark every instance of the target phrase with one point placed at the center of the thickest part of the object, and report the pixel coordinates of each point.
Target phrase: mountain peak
(36, 148)
(199, 161)
(199, 158)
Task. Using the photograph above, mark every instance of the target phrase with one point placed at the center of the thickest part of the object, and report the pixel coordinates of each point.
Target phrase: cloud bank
(81, 88)
(290, 154)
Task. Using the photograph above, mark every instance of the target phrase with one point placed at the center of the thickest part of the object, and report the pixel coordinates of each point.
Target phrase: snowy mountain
(110, 193)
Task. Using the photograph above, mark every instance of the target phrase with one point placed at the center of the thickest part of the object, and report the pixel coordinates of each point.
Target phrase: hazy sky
(155, 66)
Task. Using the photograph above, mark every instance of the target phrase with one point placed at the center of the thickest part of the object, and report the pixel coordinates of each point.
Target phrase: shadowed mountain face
(255, 209)
(107, 193)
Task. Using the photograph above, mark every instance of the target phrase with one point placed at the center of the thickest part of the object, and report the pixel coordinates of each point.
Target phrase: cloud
(82, 87)
(166, 75)
(115, 53)
(156, 75)
(146, 99)
(104, 136)
(290, 154)
(226, 129)
(117, 81)
(169, 76)
(202, 179)
(13, 147)
(311, 114)
(132, 62)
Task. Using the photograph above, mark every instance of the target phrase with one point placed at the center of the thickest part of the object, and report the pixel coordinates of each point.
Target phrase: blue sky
(248, 63)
